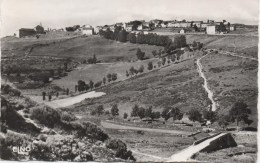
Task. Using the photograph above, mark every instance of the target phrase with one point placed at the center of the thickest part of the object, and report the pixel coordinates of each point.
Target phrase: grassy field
(232, 78)
(239, 44)
(176, 85)
(96, 72)
(78, 48)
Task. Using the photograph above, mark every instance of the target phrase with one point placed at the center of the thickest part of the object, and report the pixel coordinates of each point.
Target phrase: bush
(125, 115)
(68, 117)
(121, 150)
(150, 66)
(114, 76)
(46, 115)
(98, 84)
(7, 89)
(90, 130)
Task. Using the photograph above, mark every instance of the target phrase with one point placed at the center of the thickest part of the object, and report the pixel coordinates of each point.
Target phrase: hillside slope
(52, 135)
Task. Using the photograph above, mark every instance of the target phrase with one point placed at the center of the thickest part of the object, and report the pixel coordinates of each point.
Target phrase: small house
(87, 30)
(23, 32)
(232, 28)
(182, 31)
(211, 29)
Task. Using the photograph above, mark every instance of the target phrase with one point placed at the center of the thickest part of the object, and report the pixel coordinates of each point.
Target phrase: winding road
(205, 85)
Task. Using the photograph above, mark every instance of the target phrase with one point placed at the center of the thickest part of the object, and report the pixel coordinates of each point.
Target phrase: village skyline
(62, 14)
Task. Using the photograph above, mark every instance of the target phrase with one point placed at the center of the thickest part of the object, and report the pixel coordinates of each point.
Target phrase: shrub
(68, 117)
(98, 84)
(7, 89)
(99, 110)
(91, 131)
(150, 66)
(42, 152)
(114, 76)
(125, 115)
(140, 55)
(46, 115)
(120, 147)
(140, 132)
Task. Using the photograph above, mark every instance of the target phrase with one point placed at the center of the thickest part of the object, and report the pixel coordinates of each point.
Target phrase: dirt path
(232, 54)
(186, 154)
(68, 101)
(122, 127)
(235, 55)
(210, 93)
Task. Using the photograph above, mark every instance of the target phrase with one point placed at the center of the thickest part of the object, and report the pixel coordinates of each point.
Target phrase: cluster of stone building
(23, 32)
(209, 27)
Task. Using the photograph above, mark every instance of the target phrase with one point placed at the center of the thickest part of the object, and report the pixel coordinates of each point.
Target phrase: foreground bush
(7, 89)
(121, 150)
(89, 130)
(46, 115)
(68, 117)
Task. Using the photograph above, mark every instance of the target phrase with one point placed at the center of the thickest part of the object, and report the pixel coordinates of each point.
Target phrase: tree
(87, 87)
(154, 52)
(150, 65)
(163, 60)
(135, 111)
(126, 73)
(196, 28)
(141, 69)
(165, 113)
(132, 38)
(43, 95)
(179, 41)
(210, 115)
(109, 77)
(222, 27)
(140, 55)
(125, 115)
(114, 110)
(141, 112)
(239, 112)
(176, 114)
(100, 109)
(122, 36)
(81, 86)
(223, 121)
(132, 71)
(194, 115)
(149, 112)
(91, 84)
(156, 115)
(114, 76)
(104, 80)
(98, 84)
(49, 97)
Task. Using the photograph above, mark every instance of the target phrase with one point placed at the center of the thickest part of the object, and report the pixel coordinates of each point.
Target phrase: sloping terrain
(232, 78)
(175, 85)
(52, 135)
(78, 48)
(240, 44)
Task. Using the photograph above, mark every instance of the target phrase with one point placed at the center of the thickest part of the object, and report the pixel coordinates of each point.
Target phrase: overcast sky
(16, 14)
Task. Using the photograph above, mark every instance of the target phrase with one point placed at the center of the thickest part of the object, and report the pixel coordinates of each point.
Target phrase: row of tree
(82, 86)
(238, 113)
(141, 112)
